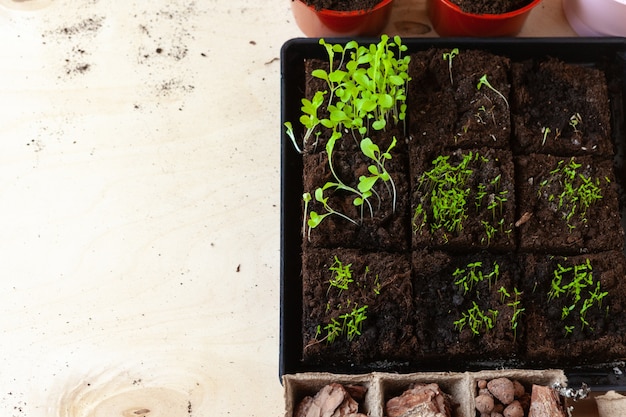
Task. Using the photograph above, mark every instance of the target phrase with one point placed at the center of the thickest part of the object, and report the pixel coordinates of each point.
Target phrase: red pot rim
(492, 16)
(345, 13)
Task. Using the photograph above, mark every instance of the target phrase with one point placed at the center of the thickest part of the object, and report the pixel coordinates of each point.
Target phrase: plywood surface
(139, 192)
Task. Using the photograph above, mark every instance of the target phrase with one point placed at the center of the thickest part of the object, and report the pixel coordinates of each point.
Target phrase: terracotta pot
(596, 17)
(449, 20)
(329, 23)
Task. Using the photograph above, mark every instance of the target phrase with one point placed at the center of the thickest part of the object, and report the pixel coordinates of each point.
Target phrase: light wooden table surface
(139, 192)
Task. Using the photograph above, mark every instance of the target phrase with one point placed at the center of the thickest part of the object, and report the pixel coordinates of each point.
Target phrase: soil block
(447, 106)
(575, 308)
(356, 306)
(560, 109)
(379, 223)
(570, 204)
(462, 200)
(467, 306)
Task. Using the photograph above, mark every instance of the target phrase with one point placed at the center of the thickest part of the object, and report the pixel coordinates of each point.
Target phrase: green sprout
(484, 81)
(517, 311)
(574, 121)
(348, 324)
(367, 88)
(576, 283)
(476, 319)
(353, 321)
(546, 131)
(449, 56)
(341, 275)
(448, 191)
(309, 119)
(577, 191)
(377, 286)
(446, 198)
(466, 278)
(490, 231)
(377, 171)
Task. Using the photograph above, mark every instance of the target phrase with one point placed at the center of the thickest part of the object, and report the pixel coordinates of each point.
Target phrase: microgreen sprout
(577, 191)
(446, 196)
(377, 171)
(449, 56)
(476, 319)
(582, 292)
(466, 278)
(371, 88)
(484, 81)
(546, 131)
(448, 193)
(341, 275)
(490, 231)
(575, 121)
(517, 311)
(353, 321)
(367, 90)
(504, 294)
(360, 198)
(350, 324)
(315, 218)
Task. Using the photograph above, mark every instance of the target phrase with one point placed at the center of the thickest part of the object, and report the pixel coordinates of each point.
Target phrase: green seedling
(341, 276)
(353, 321)
(315, 218)
(517, 311)
(365, 89)
(490, 231)
(449, 56)
(466, 278)
(575, 121)
(348, 324)
(335, 77)
(446, 187)
(484, 81)
(309, 119)
(477, 320)
(576, 283)
(446, 194)
(577, 191)
(546, 131)
(377, 171)
(370, 89)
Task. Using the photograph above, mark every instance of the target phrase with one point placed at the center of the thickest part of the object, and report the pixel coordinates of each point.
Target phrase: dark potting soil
(379, 283)
(380, 224)
(490, 6)
(486, 193)
(449, 297)
(452, 108)
(342, 5)
(554, 190)
(524, 239)
(549, 99)
(571, 328)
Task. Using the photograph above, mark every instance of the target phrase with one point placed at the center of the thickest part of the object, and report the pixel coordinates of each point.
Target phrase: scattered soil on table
(342, 5)
(490, 6)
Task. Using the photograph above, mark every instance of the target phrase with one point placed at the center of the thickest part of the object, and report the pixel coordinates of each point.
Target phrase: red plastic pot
(449, 20)
(329, 23)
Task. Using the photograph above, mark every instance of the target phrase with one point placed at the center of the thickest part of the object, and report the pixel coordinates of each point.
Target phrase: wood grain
(139, 192)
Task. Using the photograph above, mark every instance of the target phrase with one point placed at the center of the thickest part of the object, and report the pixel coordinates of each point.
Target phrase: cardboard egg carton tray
(381, 386)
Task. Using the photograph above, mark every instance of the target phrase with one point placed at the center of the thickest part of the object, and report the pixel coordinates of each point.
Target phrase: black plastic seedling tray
(608, 54)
